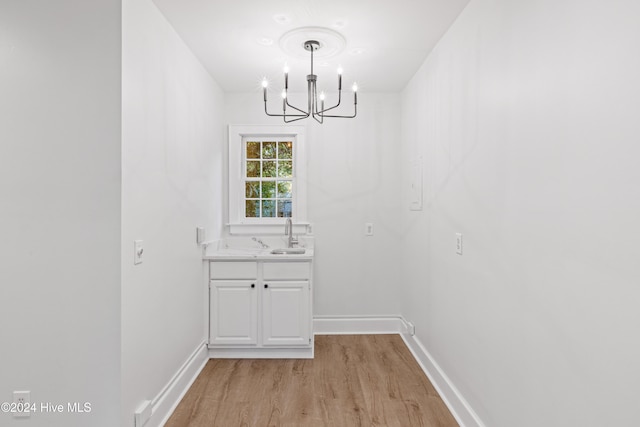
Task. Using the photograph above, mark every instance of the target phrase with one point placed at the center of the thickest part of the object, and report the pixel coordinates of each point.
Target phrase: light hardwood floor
(354, 380)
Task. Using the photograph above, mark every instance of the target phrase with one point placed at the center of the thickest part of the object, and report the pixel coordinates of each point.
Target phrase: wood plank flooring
(354, 380)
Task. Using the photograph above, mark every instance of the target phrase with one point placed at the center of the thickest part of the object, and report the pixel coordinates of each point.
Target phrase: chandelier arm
(286, 99)
(295, 120)
(330, 108)
(315, 117)
(296, 108)
(288, 115)
(303, 115)
(355, 112)
(335, 106)
(283, 115)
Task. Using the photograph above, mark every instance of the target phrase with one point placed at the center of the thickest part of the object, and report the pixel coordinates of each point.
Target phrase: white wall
(171, 183)
(353, 178)
(60, 208)
(527, 116)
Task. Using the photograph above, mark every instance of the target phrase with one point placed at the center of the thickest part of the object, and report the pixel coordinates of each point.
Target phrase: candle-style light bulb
(340, 70)
(284, 94)
(286, 76)
(321, 96)
(355, 87)
(265, 83)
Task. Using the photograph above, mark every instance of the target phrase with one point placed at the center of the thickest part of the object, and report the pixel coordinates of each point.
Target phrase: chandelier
(312, 109)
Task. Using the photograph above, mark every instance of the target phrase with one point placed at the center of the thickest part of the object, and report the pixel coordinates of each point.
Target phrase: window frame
(238, 223)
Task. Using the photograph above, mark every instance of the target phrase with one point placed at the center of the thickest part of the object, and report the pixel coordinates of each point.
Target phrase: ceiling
(238, 41)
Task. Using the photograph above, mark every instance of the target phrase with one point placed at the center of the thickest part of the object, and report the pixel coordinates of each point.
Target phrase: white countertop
(243, 249)
(235, 254)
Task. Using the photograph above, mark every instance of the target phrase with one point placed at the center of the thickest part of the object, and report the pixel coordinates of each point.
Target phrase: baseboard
(355, 325)
(216, 352)
(167, 400)
(459, 407)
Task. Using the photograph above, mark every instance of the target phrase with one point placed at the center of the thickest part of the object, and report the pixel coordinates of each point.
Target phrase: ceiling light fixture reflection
(264, 41)
(339, 24)
(312, 110)
(282, 19)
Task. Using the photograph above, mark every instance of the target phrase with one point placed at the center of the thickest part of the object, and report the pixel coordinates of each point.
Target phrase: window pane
(268, 208)
(284, 208)
(253, 150)
(268, 189)
(252, 189)
(252, 209)
(253, 169)
(268, 169)
(284, 189)
(285, 150)
(284, 169)
(268, 150)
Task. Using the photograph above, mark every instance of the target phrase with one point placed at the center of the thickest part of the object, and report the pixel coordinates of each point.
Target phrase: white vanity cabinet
(260, 308)
(233, 303)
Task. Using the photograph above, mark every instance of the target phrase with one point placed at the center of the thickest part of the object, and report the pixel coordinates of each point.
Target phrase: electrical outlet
(459, 243)
(368, 229)
(22, 401)
(143, 413)
(411, 328)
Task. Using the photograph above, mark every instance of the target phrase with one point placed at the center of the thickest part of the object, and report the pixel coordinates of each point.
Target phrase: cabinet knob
(266, 286)
(253, 285)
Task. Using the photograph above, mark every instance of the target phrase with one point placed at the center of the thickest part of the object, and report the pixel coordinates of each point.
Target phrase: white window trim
(238, 224)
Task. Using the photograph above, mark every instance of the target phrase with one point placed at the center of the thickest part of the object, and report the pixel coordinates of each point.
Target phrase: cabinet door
(285, 313)
(233, 312)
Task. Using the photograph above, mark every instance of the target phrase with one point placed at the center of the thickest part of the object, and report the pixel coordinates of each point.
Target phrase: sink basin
(289, 251)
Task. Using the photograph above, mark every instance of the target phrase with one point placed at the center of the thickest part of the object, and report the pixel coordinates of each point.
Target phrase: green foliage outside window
(268, 179)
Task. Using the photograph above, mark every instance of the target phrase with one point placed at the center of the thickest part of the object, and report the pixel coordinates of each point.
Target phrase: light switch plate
(138, 251)
(459, 243)
(200, 236)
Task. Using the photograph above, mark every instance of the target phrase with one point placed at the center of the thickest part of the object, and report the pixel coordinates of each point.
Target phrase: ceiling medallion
(331, 42)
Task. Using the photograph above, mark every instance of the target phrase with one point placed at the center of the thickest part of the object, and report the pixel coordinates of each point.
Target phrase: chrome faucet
(288, 231)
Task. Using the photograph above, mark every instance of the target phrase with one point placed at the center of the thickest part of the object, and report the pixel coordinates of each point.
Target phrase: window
(267, 178)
